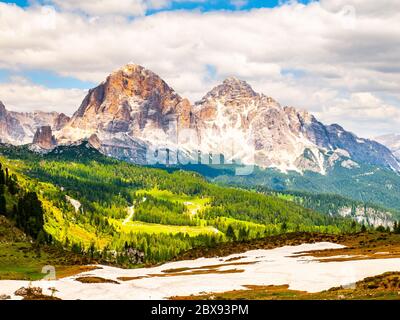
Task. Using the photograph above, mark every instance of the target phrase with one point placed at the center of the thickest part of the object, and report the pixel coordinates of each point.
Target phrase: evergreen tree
(29, 215)
(230, 233)
(3, 205)
(397, 228)
(2, 176)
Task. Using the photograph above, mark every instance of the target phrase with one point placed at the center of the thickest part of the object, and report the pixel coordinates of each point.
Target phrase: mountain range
(134, 111)
(20, 127)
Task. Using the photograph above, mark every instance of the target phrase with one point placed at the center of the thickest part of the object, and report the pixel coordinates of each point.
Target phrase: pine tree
(230, 233)
(2, 176)
(397, 228)
(363, 228)
(3, 205)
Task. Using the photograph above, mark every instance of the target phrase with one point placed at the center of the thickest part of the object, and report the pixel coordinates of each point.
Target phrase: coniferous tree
(3, 210)
(2, 176)
(29, 214)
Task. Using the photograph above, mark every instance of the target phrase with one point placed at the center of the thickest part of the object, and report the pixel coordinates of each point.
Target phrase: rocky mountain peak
(232, 89)
(44, 138)
(131, 102)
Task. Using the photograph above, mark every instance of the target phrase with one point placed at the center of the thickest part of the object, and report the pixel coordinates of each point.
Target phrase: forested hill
(123, 211)
(20, 205)
(336, 205)
(367, 184)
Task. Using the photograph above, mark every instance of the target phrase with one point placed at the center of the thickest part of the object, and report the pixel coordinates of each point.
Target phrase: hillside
(369, 185)
(118, 211)
(336, 205)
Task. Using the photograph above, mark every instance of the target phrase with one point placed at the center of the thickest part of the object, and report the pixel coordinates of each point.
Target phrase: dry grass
(95, 280)
(382, 287)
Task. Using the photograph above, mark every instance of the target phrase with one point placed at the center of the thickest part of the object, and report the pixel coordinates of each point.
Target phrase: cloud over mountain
(311, 56)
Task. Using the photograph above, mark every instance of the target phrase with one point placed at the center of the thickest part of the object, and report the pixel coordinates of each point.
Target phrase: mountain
(135, 111)
(20, 127)
(392, 141)
(137, 117)
(130, 110)
(283, 137)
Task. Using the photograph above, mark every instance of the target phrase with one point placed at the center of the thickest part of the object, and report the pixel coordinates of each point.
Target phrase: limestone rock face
(20, 127)
(281, 137)
(44, 138)
(60, 121)
(132, 108)
(131, 100)
(11, 130)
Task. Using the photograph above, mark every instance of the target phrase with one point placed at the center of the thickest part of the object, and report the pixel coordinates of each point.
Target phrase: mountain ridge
(135, 114)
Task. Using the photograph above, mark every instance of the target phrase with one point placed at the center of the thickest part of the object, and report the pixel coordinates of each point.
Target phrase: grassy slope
(106, 189)
(21, 259)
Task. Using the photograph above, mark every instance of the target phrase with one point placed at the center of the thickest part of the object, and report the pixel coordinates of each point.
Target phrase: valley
(264, 194)
(181, 209)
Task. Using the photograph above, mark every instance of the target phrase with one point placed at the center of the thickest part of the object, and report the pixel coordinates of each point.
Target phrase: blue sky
(205, 5)
(45, 78)
(225, 5)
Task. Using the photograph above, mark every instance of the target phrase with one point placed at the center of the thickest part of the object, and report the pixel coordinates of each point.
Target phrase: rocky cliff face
(20, 127)
(44, 138)
(369, 216)
(134, 110)
(11, 130)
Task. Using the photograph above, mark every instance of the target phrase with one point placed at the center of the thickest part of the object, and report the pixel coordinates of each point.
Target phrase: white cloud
(127, 8)
(305, 56)
(364, 112)
(21, 95)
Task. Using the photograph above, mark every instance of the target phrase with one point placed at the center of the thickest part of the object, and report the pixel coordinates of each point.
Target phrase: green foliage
(154, 210)
(173, 210)
(366, 184)
(396, 227)
(28, 213)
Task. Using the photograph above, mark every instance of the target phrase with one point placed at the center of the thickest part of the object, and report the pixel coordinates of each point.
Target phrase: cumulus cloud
(364, 112)
(103, 7)
(308, 56)
(21, 95)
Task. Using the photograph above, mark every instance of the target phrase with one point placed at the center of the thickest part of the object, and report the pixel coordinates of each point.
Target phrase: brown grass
(184, 272)
(69, 271)
(95, 280)
(368, 245)
(360, 247)
(382, 287)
